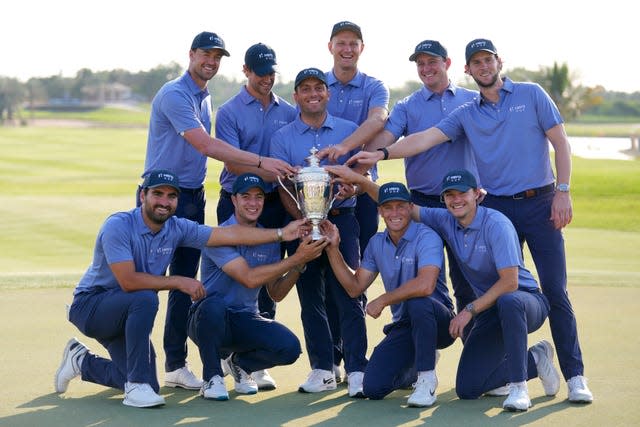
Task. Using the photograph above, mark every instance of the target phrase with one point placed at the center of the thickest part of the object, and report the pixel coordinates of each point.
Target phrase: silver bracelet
(280, 235)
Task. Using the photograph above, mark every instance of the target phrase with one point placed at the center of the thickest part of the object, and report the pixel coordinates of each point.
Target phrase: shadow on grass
(272, 409)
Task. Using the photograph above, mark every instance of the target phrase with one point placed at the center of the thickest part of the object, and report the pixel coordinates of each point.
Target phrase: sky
(41, 38)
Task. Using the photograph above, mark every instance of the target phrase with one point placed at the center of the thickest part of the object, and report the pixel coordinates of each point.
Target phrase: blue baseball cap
(430, 47)
(206, 40)
(346, 26)
(459, 179)
(393, 191)
(477, 45)
(158, 178)
(260, 59)
(310, 73)
(247, 181)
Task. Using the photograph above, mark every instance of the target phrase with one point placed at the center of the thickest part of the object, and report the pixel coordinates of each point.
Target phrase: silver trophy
(314, 192)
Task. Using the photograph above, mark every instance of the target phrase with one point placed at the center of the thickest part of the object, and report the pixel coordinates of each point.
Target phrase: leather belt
(527, 194)
(341, 211)
(191, 190)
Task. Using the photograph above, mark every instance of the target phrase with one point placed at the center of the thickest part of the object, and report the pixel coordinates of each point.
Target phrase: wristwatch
(469, 307)
(564, 188)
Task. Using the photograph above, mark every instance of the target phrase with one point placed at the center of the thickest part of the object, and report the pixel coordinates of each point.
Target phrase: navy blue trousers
(122, 323)
(409, 347)
(258, 342)
(530, 218)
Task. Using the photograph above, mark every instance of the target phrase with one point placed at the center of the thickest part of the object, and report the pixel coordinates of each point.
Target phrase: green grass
(58, 185)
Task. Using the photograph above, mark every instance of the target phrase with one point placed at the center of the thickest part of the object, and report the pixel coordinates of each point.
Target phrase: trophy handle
(295, 199)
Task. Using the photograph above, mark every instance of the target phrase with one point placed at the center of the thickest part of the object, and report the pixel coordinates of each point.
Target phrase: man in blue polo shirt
(508, 303)
(180, 140)
(408, 256)
(315, 128)
(116, 300)
(228, 319)
(510, 127)
(419, 111)
(247, 121)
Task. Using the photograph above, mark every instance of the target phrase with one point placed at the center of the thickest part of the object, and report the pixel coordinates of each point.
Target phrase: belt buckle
(530, 193)
(334, 212)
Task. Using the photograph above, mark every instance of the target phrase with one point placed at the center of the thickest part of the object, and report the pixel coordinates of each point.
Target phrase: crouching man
(227, 321)
(408, 256)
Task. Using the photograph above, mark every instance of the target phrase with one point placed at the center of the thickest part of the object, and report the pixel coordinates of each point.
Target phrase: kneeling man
(227, 321)
(408, 256)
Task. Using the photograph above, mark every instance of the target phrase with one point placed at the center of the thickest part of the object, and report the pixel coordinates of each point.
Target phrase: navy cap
(346, 26)
(158, 178)
(206, 40)
(478, 45)
(430, 47)
(459, 179)
(309, 73)
(247, 181)
(393, 191)
(260, 59)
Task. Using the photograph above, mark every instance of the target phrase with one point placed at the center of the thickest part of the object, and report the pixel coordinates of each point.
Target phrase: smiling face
(158, 205)
(312, 96)
(204, 64)
(432, 70)
(346, 48)
(259, 86)
(396, 215)
(462, 205)
(485, 68)
(248, 206)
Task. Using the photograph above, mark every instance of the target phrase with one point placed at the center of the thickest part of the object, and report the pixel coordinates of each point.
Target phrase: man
(116, 300)
(408, 256)
(364, 100)
(315, 128)
(508, 303)
(510, 127)
(419, 111)
(179, 140)
(228, 319)
(247, 122)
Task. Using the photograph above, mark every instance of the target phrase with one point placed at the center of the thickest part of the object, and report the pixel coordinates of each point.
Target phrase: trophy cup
(313, 191)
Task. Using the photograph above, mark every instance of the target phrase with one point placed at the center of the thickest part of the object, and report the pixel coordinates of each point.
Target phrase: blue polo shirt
(292, 143)
(419, 247)
(488, 244)
(180, 105)
(508, 138)
(422, 110)
(243, 122)
(125, 237)
(237, 297)
(353, 100)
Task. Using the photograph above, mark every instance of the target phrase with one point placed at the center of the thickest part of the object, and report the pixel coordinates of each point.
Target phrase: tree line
(87, 87)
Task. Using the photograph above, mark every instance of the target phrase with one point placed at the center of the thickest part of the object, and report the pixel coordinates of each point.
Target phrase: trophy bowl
(313, 192)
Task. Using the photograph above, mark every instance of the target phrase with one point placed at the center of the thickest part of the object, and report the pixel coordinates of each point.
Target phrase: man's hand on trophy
(330, 231)
(346, 190)
(345, 175)
(366, 158)
(311, 249)
(333, 152)
(276, 166)
(296, 229)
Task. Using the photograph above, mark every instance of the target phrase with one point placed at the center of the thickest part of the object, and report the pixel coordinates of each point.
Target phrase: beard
(491, 83)
(157, 218)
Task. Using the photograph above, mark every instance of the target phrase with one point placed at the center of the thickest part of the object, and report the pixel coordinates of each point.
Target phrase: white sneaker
(355, 384)
(518, 399)
(224, 364)
(264, 380)
(141, 395)
(214, 389)
(578, 390)
(424, 393)
(337, 372)
(244, 383)
(183, 378)
(498, 391)
(318, 380)
(72, 358)
(543, 352)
